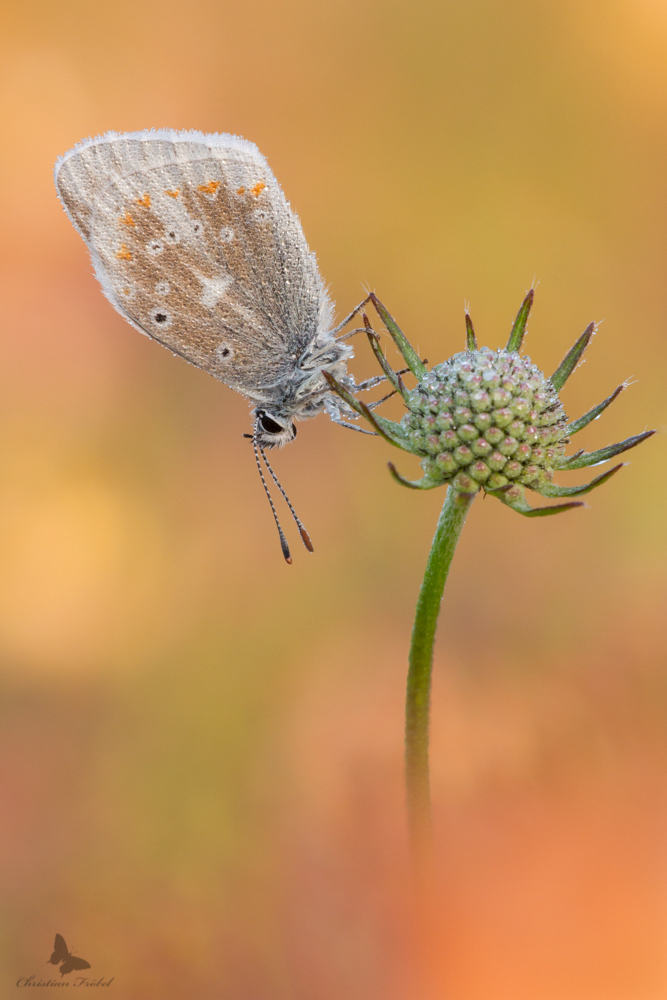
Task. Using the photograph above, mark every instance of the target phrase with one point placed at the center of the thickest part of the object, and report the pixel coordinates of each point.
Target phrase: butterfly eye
(270, 425)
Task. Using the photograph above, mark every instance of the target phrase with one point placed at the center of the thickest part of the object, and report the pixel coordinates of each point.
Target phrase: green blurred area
(200, 746)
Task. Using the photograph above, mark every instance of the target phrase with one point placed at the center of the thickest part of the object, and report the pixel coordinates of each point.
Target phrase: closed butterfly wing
(72, 963)
(195, 244)
(60, 951)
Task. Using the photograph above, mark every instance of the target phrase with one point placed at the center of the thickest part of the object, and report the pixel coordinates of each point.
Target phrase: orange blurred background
(201, 748)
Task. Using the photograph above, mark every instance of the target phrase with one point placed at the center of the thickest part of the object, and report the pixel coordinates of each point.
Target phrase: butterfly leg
(351, 316)
(370, 383)
(379, 402)
(351, 427)
(352, 333)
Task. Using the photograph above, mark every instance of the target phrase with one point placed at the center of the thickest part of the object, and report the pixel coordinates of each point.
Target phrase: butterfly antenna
(305, 537)
(283, 541)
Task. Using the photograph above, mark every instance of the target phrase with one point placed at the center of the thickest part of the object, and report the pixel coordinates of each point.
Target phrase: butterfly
(61, 954)
(195, 245)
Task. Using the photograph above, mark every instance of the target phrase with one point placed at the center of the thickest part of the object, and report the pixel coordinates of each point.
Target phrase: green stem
(417, 703)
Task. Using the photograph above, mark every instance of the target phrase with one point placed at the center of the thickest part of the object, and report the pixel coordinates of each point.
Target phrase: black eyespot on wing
(224, 352)
(269, 425)
(60, 951)
(161, 317)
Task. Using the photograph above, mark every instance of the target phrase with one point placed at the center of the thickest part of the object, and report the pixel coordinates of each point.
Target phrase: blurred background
(201, 748)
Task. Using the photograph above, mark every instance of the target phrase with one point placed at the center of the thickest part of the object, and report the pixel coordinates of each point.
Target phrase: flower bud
(503, 407)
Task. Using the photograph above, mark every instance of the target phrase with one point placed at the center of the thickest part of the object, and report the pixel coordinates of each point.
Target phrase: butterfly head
(273, 431)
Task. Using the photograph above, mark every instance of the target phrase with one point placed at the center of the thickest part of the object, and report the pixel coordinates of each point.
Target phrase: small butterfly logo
(62, 954)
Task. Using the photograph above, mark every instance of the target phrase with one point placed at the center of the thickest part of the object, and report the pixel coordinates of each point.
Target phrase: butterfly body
(195, 244)
(62, 954)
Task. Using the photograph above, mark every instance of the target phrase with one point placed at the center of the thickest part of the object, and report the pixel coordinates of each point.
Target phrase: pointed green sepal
(550, 490)
(572, 358)
(394, 380)
(511, 497)
(557, 508)
(519, 328)
(420, 484)
(344, 393)
(463, 499)
(387, 429)
(563, 462)
(583, 460)
(471, 339)
(578, 425)
(412, 359)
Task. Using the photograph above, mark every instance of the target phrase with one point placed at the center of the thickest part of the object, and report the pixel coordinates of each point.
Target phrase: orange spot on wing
(124, 253)
(258, 188)
(240, 190)
(209, 188)
(127, 220)
(145, 202)
(173, 194)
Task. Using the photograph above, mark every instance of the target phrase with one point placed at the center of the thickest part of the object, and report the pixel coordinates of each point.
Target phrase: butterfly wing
(60, 951)
(195, 244)
(71, 963)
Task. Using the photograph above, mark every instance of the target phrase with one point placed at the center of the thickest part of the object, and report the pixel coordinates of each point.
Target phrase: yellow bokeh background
(201, 748)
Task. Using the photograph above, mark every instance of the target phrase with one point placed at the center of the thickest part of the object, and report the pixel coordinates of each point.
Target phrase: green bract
(488, 419)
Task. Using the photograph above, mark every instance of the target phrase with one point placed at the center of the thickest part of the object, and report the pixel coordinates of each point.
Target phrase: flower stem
(417, 703)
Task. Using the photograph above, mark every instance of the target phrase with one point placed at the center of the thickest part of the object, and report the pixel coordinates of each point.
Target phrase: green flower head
(489, 419)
